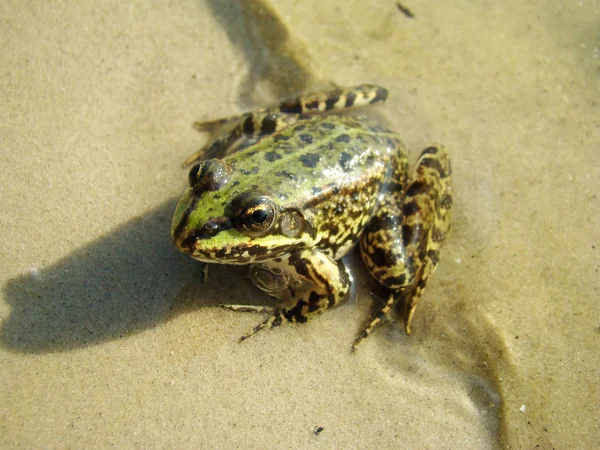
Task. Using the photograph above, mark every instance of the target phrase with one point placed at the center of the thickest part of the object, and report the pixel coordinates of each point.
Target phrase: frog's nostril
(209, 229)
(212, 228)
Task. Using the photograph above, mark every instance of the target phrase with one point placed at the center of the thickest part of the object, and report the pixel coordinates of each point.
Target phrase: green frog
(290, 189)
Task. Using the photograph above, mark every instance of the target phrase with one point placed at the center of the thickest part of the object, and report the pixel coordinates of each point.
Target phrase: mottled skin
(295, 189)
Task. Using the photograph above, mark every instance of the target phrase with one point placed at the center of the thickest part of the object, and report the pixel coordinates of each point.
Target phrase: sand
(108, 335)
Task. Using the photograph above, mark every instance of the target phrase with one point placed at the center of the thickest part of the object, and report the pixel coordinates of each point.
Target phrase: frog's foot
(274, 319)
(381, 315)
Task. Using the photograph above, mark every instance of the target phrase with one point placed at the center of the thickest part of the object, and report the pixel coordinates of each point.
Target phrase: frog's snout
(185, 237)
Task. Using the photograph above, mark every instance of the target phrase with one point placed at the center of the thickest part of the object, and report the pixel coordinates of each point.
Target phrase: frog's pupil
(259, 216)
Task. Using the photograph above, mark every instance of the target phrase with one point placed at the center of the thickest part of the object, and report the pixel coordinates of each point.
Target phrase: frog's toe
(249, 308)
(270, 322)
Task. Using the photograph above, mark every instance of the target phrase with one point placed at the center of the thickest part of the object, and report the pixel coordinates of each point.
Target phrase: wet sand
(109, 337)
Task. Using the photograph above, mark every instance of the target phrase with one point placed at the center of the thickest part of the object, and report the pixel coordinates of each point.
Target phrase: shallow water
(110, 337)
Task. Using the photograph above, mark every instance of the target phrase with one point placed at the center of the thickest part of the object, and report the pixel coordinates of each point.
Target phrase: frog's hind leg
(427, 220)
(421, 219)
(334, 99)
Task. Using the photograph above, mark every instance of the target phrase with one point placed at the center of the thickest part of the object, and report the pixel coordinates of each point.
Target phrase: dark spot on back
(345, 159)
(286, 174)
(306, 138)
(342, 138)
(310, 160)
(281, 137)
(327, 125)
(272, 156)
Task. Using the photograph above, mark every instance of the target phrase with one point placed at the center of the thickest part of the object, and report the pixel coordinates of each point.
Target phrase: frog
(291, 188)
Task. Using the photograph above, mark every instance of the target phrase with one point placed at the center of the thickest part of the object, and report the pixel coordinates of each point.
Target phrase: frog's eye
(209, 175)
(255, 215)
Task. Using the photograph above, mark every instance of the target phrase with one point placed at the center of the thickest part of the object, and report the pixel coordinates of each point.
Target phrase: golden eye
(259, 217)
(254, 214)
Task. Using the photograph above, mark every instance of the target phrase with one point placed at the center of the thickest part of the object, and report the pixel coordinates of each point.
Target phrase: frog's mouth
(230, 246)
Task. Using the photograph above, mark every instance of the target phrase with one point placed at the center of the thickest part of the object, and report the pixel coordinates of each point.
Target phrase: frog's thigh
(422, 220)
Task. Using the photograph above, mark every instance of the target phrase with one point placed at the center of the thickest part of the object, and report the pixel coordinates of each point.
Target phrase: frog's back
(307, 160)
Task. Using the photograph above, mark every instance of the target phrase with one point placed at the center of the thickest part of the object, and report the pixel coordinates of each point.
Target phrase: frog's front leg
(326, 283)
(421, 220)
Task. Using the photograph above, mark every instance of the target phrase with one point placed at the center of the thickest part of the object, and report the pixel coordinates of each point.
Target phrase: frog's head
(223, 220)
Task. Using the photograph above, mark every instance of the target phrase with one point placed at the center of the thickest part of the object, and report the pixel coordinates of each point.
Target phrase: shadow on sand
(131, 280)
